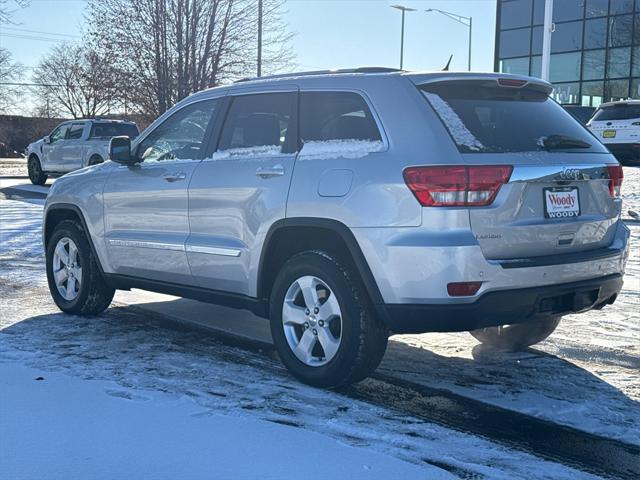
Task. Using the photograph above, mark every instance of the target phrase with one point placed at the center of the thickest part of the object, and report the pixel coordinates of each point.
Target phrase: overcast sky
(328, 33)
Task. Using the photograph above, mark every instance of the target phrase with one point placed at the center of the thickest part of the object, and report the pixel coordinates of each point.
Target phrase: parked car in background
(580, 113)
(617, 125)
(73, 145)
(349, 204)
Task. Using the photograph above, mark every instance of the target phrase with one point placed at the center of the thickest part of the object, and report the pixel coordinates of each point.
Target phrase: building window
(635, 88)
(595, 33)
(565, 67)
(593, 64)
(567, 37)
(635, 62)
(620, 29)
(517, 66)
(565, 10)
(636, 29)
(597, 8)
(536, 66)
(618, 62)
(567, 93)
(538, 12)
(592, 93)
(515, 43)
(516, 13)
(536, 41)
(621, 6)
(615, 90)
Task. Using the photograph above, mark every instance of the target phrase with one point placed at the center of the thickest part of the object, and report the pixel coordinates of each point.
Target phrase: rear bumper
(503, 307)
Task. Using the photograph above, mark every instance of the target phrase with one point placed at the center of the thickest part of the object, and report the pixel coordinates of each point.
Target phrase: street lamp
(403, 10)
(466, 21)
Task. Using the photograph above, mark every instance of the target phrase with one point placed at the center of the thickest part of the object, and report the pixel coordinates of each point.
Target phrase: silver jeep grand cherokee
(346, 205)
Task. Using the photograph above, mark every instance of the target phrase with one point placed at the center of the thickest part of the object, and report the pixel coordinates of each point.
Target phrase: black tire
(94, 295)
(36, 175)
(363, 336)
(95, 160)
(518, 336)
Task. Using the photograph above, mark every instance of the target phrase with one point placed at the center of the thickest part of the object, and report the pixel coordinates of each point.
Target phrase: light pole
(259, 38)
(547, 29)
(466, 21)
(403, 10)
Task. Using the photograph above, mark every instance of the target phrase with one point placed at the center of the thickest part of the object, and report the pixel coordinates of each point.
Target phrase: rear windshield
(487, 119)
(617, 112)
(107, 130)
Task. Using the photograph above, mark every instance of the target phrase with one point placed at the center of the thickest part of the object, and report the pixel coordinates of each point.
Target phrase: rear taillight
(615, 180)
(457, 186)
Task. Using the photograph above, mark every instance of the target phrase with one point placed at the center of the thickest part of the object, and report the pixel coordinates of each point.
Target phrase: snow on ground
(122, 433)
(142, 358)
(585, 375)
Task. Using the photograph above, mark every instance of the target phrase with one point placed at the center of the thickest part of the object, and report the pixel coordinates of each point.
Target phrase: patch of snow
(57, 427)
(247, 152)
(460, 133)
(330, 149)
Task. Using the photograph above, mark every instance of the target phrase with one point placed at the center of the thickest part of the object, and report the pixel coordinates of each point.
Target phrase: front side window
(182, 136)
(75, 132)
(59, 133)
(259, 125)
(488, 119)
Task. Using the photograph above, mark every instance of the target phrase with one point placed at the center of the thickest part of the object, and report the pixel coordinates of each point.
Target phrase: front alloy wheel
(67, 270)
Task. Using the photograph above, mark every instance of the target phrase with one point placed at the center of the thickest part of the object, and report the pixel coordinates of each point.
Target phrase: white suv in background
(617, 125)
(74, 144)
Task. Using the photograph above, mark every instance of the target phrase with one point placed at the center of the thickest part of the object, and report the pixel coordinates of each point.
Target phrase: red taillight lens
(463, 289)
(456, 186)
(615, 180)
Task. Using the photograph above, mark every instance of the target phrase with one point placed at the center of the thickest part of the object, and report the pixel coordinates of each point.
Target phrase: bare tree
(76, 80)
(10, 72)
(167, 49)
(8, 7)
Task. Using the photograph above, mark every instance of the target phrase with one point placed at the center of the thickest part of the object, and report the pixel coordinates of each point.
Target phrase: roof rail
(323, 72)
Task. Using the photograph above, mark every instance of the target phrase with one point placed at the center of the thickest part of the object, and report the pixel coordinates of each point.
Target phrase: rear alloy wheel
(517, 336)
(36, 175)
(322, 323)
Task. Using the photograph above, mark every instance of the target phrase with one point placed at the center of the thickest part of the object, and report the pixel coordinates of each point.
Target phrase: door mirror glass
(46, 139)
(120, 150)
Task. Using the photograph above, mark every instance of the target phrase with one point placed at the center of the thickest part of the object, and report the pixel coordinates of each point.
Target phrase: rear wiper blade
(561, 142)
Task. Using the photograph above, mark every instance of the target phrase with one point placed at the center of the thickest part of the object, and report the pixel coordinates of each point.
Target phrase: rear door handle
(175, 177)
(268, 172)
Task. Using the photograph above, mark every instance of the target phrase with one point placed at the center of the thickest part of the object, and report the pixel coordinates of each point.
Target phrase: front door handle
(268, 172)
(175, 177)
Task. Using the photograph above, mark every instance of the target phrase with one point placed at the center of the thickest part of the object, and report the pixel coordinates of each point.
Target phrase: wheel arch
(59, 212)
(293, 235)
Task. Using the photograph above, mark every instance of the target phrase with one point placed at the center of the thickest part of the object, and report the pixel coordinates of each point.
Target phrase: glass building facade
(595, 48)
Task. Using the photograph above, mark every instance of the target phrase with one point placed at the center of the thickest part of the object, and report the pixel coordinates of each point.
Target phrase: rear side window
(488, 119)
(617, 112)
(108, 130)
(75, 132)
(259, 125)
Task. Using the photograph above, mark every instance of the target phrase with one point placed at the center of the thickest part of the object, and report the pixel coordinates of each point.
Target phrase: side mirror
(120, 150)
(47, 139)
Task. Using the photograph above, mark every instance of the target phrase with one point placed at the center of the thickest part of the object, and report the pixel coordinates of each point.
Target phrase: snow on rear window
(461, 134)
(348, 148)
